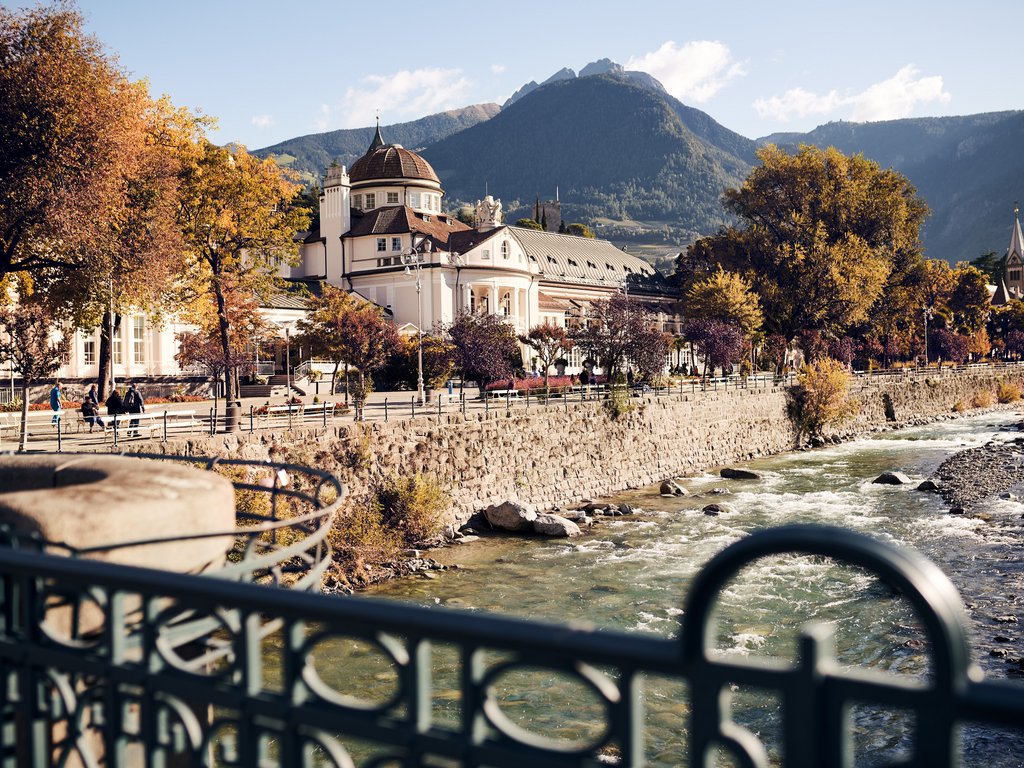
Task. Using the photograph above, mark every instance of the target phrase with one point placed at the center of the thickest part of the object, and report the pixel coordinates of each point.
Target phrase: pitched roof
(401, 219)
(1016, 241)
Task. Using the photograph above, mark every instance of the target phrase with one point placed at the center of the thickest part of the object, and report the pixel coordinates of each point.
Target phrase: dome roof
(391, 161)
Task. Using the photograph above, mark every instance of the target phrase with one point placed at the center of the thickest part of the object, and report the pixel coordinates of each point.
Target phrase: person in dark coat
(92, 418)
(115, 406)
(93, 397)
(133, 403)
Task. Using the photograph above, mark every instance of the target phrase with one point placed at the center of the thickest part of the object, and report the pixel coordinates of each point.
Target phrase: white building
(387, 211)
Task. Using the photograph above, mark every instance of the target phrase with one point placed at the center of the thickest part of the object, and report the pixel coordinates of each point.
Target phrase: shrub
(360, 536)
(413, 506)
(961, 406)
(983, 399)
(1007, 392)
(822, 396)
(618, 403)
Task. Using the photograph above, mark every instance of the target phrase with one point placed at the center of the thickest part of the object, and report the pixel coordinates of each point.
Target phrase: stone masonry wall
(564, 453)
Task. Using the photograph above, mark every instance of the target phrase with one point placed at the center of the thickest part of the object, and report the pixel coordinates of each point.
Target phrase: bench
(318, 410)
(503, 393)
(151, 421)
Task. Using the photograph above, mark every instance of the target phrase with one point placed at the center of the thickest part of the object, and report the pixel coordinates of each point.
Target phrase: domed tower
(391, 175)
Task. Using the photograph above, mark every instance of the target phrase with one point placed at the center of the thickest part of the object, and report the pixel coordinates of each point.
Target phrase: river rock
(553, 525)
(731, 473)
(672, 488)
(957, 510)
(715, 509)
(928, 485)
(511, 516)
(891, 478)
(1007, 496)
(625, 509)
(576, 515)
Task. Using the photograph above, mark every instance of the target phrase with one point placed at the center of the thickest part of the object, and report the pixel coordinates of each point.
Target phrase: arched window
(504, 249)
(506, 303)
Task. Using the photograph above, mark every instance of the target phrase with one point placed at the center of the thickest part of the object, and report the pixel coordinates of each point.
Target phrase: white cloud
(497, 69)
(695, 72)
(262, 121)
(323, 120)
(403, 95)
(888, 100)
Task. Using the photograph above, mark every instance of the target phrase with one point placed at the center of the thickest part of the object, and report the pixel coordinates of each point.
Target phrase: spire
(1016, 240)
(378, 140)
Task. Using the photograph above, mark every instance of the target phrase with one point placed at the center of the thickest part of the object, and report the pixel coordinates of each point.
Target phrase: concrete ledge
(101, 503)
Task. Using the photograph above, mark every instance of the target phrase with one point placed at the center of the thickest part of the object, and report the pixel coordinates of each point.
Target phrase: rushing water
(632, 573)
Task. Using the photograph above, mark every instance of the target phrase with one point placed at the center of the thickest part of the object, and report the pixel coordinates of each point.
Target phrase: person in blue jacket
(55, 397)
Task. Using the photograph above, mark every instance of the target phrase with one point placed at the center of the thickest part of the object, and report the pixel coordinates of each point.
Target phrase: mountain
(612, 148)
(310, 155)
(599, 67)
(969, 169)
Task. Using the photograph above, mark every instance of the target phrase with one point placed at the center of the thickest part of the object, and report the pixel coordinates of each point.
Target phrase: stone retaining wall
(564, 453)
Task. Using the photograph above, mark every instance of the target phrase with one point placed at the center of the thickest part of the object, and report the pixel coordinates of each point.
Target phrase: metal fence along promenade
(128, 693)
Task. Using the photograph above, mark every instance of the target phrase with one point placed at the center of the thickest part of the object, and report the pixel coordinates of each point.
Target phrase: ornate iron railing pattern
(104, 701)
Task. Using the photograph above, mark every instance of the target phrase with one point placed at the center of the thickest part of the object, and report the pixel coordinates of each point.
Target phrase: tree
(485, 348)
(68, 126)
(822, 396)
(822, 233)
(529, 224)
(367, 342)
(238, 225)
(27, 339)
(719, 342)
(323, 328)
(950, 345)
(969, 302)
(579, 230)
(549, 342)
(992, 264)
(618, 329)
(725, 296)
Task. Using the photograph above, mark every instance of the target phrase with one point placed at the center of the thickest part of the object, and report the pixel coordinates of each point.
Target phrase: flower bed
(533, 384)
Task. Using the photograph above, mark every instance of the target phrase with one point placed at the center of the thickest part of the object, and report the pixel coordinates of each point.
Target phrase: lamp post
(413, 260)
(926, 311)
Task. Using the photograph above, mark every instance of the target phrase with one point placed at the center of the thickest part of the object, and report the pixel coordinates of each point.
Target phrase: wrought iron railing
(239, 696)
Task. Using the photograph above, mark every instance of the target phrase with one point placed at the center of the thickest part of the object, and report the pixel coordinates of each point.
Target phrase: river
(631, 573)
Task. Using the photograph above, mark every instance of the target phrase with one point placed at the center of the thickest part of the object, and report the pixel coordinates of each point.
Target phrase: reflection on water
(632, 574)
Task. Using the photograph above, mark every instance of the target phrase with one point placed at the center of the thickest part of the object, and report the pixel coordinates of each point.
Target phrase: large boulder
(891, 478)
(714, 510)
(554, 525)
(672, 488)
(511, 516)
(730, 473)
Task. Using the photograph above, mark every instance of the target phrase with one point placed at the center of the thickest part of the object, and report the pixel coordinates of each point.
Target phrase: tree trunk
(23, 439)
(334, 377)
(103, 358)
(225, 342)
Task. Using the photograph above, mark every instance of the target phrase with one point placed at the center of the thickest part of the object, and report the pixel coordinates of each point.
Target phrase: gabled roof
(401, 219)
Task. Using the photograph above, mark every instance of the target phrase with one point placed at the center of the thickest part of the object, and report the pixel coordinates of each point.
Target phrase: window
(472, 302)
(116, 346)
(592, 265)
(371, 201)
(387, 261)
(486, 254)
(89, 352)
(573, 262)
(1014, 275)
(392, 198)
(506, 304)
(426, 218)
(396, 243)
(414, 199)
(437, 202)
(504, 249)
(139, 339)
(382, 244)
(357, 201)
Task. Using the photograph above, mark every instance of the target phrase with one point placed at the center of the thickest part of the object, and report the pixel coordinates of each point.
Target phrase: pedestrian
(115, 406)
(133, 403)
(89, 413)
(93, 397)
(55, 397)
(451, 387)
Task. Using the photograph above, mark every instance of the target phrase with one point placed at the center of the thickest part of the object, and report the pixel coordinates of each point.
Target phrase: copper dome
(391, 161)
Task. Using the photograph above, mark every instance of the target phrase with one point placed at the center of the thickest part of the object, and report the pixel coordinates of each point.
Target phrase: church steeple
(1016, 240)
(378, 140)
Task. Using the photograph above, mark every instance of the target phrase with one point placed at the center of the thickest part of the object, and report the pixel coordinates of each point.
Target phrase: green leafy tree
(30, 339)
(549, 342)
(992, 264)
(579, 230)
(529, 224)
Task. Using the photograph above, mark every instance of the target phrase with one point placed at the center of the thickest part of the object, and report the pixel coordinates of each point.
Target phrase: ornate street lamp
(928, 315)
(413, 260)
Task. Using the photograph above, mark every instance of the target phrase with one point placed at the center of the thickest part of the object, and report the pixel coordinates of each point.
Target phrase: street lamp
(926, 311)
(413, 260)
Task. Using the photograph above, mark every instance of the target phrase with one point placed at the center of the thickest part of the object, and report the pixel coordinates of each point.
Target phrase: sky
(273, 71)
